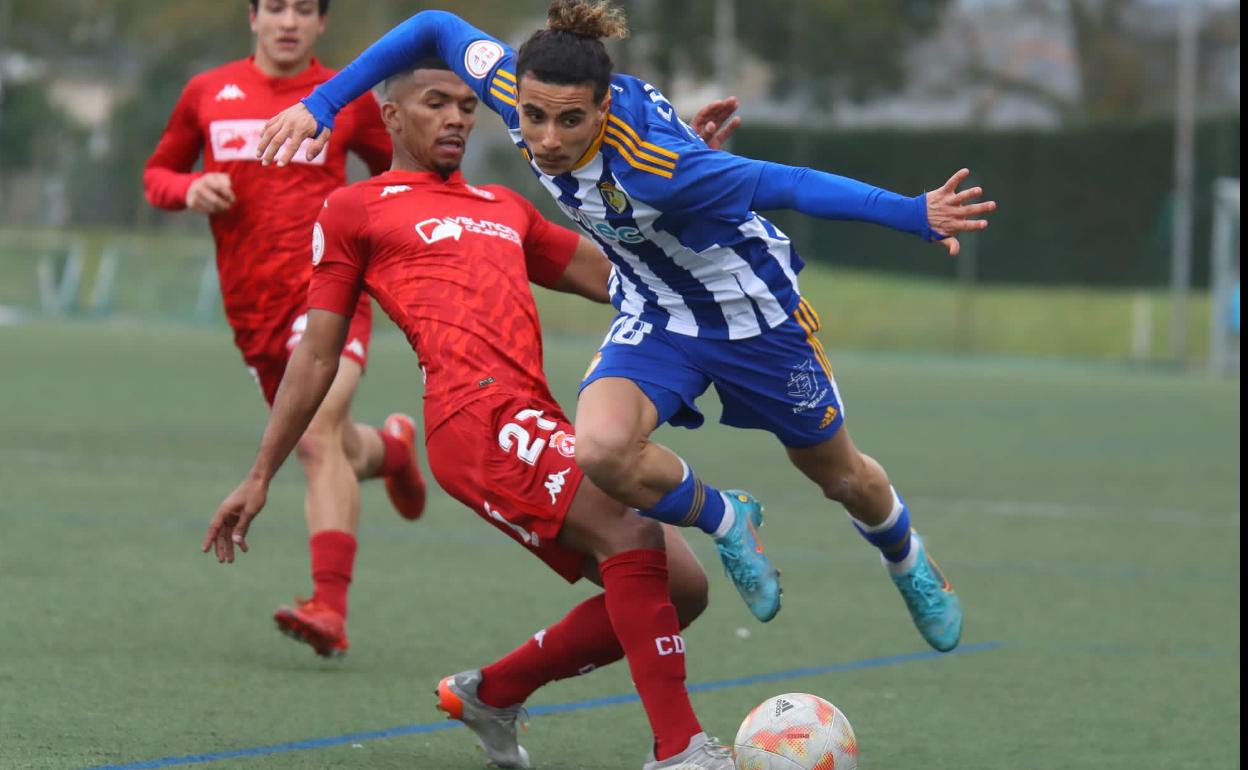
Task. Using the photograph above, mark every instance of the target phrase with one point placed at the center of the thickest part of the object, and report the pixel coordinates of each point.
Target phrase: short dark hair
(427, 63)
(322, 6)
(570, 50)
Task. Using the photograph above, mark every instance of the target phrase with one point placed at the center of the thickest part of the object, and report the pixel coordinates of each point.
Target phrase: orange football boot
(315, 623)
(405, 488)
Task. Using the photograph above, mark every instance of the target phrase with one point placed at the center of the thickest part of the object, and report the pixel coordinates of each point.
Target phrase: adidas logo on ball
(782, 706)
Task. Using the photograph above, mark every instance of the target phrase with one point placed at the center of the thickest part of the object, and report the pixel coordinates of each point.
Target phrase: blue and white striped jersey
(672, 215)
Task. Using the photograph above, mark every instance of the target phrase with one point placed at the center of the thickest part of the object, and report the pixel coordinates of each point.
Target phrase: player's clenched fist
(210, 194)
(286, 131)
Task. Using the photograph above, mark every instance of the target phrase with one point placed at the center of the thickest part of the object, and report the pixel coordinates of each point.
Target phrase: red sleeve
(371, 140)
(167, 174)
(339, 254)
(548, 248)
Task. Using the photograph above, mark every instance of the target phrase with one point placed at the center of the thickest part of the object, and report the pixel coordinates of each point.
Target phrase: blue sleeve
(829, 196)
(700, 180)
(486, 64)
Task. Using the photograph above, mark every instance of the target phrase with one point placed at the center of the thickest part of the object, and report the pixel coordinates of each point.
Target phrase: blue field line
(560, 708)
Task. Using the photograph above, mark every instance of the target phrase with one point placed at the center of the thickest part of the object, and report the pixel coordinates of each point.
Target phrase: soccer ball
(796, 731)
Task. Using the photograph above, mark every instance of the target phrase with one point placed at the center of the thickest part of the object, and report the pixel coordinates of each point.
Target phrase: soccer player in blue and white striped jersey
(706, 289)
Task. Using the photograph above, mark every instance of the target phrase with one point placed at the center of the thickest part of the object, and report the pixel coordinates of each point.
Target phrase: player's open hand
(229, 525)
(715, 122)
(285, 133)
(950, 212)
(210, 194)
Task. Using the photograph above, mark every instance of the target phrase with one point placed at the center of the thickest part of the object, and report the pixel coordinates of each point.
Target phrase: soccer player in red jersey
(262, 262)
(451, 264)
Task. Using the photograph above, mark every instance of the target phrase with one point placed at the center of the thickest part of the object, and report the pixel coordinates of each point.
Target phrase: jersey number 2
(515, 435)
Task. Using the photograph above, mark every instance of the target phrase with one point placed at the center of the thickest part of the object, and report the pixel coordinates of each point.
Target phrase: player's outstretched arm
(935, 216)
(428, 33)
(307, 380)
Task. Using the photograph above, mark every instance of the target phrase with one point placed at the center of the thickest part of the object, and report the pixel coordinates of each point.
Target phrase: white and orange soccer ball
(796, 731)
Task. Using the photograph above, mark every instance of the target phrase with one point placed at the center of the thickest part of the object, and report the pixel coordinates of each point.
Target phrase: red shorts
(266, 349)
(512, 459)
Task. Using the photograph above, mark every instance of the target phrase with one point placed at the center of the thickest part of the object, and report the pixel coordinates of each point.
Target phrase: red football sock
(582, 641)
(397, 456)
(333, 557)
(645, 623)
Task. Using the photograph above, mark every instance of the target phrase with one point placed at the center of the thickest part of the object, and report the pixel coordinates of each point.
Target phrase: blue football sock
(691, 504)
(892, 536)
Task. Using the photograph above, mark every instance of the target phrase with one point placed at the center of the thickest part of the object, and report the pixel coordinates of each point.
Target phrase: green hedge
(1083, 206)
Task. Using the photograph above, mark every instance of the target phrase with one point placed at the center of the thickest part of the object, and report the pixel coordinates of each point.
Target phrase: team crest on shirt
(804, 387)
(564, 442)
(613, 197)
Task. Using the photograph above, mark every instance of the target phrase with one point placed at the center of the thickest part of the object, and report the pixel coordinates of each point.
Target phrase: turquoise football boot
(745, 564)
(930, 598)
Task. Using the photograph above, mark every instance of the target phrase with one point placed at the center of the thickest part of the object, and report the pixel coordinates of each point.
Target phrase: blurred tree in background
(132, 57)
(815, 48)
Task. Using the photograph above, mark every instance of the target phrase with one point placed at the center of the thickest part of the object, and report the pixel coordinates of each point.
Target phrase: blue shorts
(779, 381)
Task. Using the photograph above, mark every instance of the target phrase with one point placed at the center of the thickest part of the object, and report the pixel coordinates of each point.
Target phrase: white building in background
(958, 75)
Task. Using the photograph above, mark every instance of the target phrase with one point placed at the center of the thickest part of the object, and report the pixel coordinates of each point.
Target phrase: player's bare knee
(606, 458)
(311, 450)
(317, 444)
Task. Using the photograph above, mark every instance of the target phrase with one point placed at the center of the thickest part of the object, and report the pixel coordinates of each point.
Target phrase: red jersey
(451, 264)
(262, 240)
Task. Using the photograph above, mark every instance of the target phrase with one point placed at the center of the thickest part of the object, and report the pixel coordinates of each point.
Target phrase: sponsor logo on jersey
(489, 196)
(613, 197)
(625, 234)
(394, 189)
(356, 347)
(554, 484)
(238, 139)
(564, 442)
(318, 243)
(540, 637)
(230, 93)
(441, 228)
(296, 331)
(481, 57)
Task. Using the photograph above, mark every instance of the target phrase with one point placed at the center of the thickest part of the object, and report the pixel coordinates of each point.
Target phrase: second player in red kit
(451, 263)
(263, 269)
(475, 360)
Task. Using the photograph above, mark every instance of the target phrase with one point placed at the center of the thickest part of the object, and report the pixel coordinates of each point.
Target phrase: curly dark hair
(570, 50)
